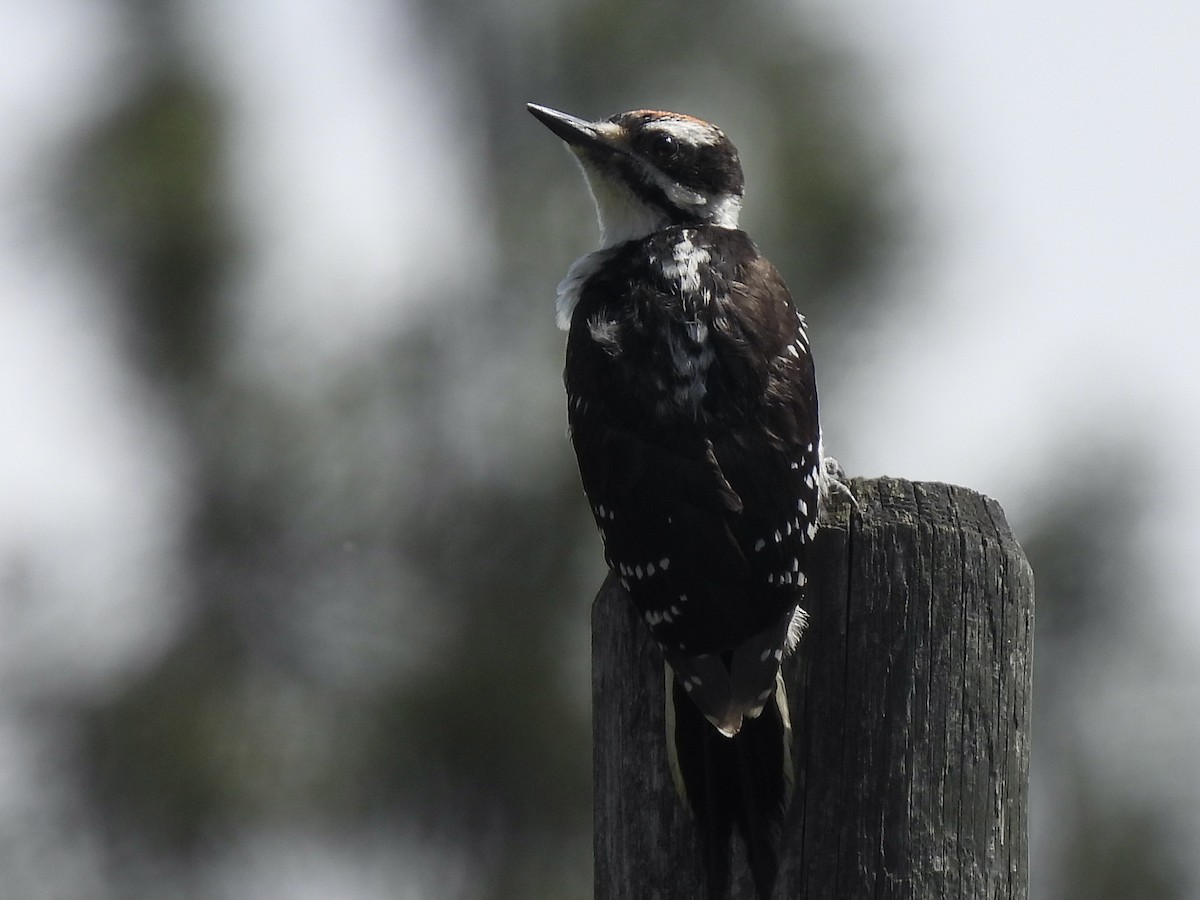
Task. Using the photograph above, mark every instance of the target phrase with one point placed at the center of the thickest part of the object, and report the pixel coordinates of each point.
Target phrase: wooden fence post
(910, 701)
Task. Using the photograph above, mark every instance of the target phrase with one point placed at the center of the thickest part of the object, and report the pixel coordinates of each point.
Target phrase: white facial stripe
(724, 209)
(692, 131)
(680, 195)
(721, 209)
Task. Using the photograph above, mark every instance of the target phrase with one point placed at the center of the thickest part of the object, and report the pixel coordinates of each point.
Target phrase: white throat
(624, 216)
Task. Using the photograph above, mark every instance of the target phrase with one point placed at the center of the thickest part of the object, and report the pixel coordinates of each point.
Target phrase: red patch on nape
(667, 114)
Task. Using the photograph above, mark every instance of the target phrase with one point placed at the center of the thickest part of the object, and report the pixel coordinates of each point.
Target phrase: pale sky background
(1053, 151)
(1056, 147)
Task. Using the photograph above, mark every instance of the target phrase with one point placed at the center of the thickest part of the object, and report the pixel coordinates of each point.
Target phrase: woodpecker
(692, 408)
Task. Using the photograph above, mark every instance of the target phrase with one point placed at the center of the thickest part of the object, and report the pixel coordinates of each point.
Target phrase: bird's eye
(663, 146)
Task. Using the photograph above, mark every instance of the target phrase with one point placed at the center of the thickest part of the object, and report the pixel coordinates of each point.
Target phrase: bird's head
(649, 169)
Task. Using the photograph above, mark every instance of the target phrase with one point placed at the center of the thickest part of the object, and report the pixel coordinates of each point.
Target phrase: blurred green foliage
(147, 191)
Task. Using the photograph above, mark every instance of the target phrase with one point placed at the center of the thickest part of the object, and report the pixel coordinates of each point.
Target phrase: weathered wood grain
(910, 702)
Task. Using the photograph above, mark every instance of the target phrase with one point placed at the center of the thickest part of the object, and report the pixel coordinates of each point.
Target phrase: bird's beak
(578, 133)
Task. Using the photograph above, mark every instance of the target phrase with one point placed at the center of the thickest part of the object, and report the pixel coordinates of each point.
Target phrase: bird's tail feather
(740, 783)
